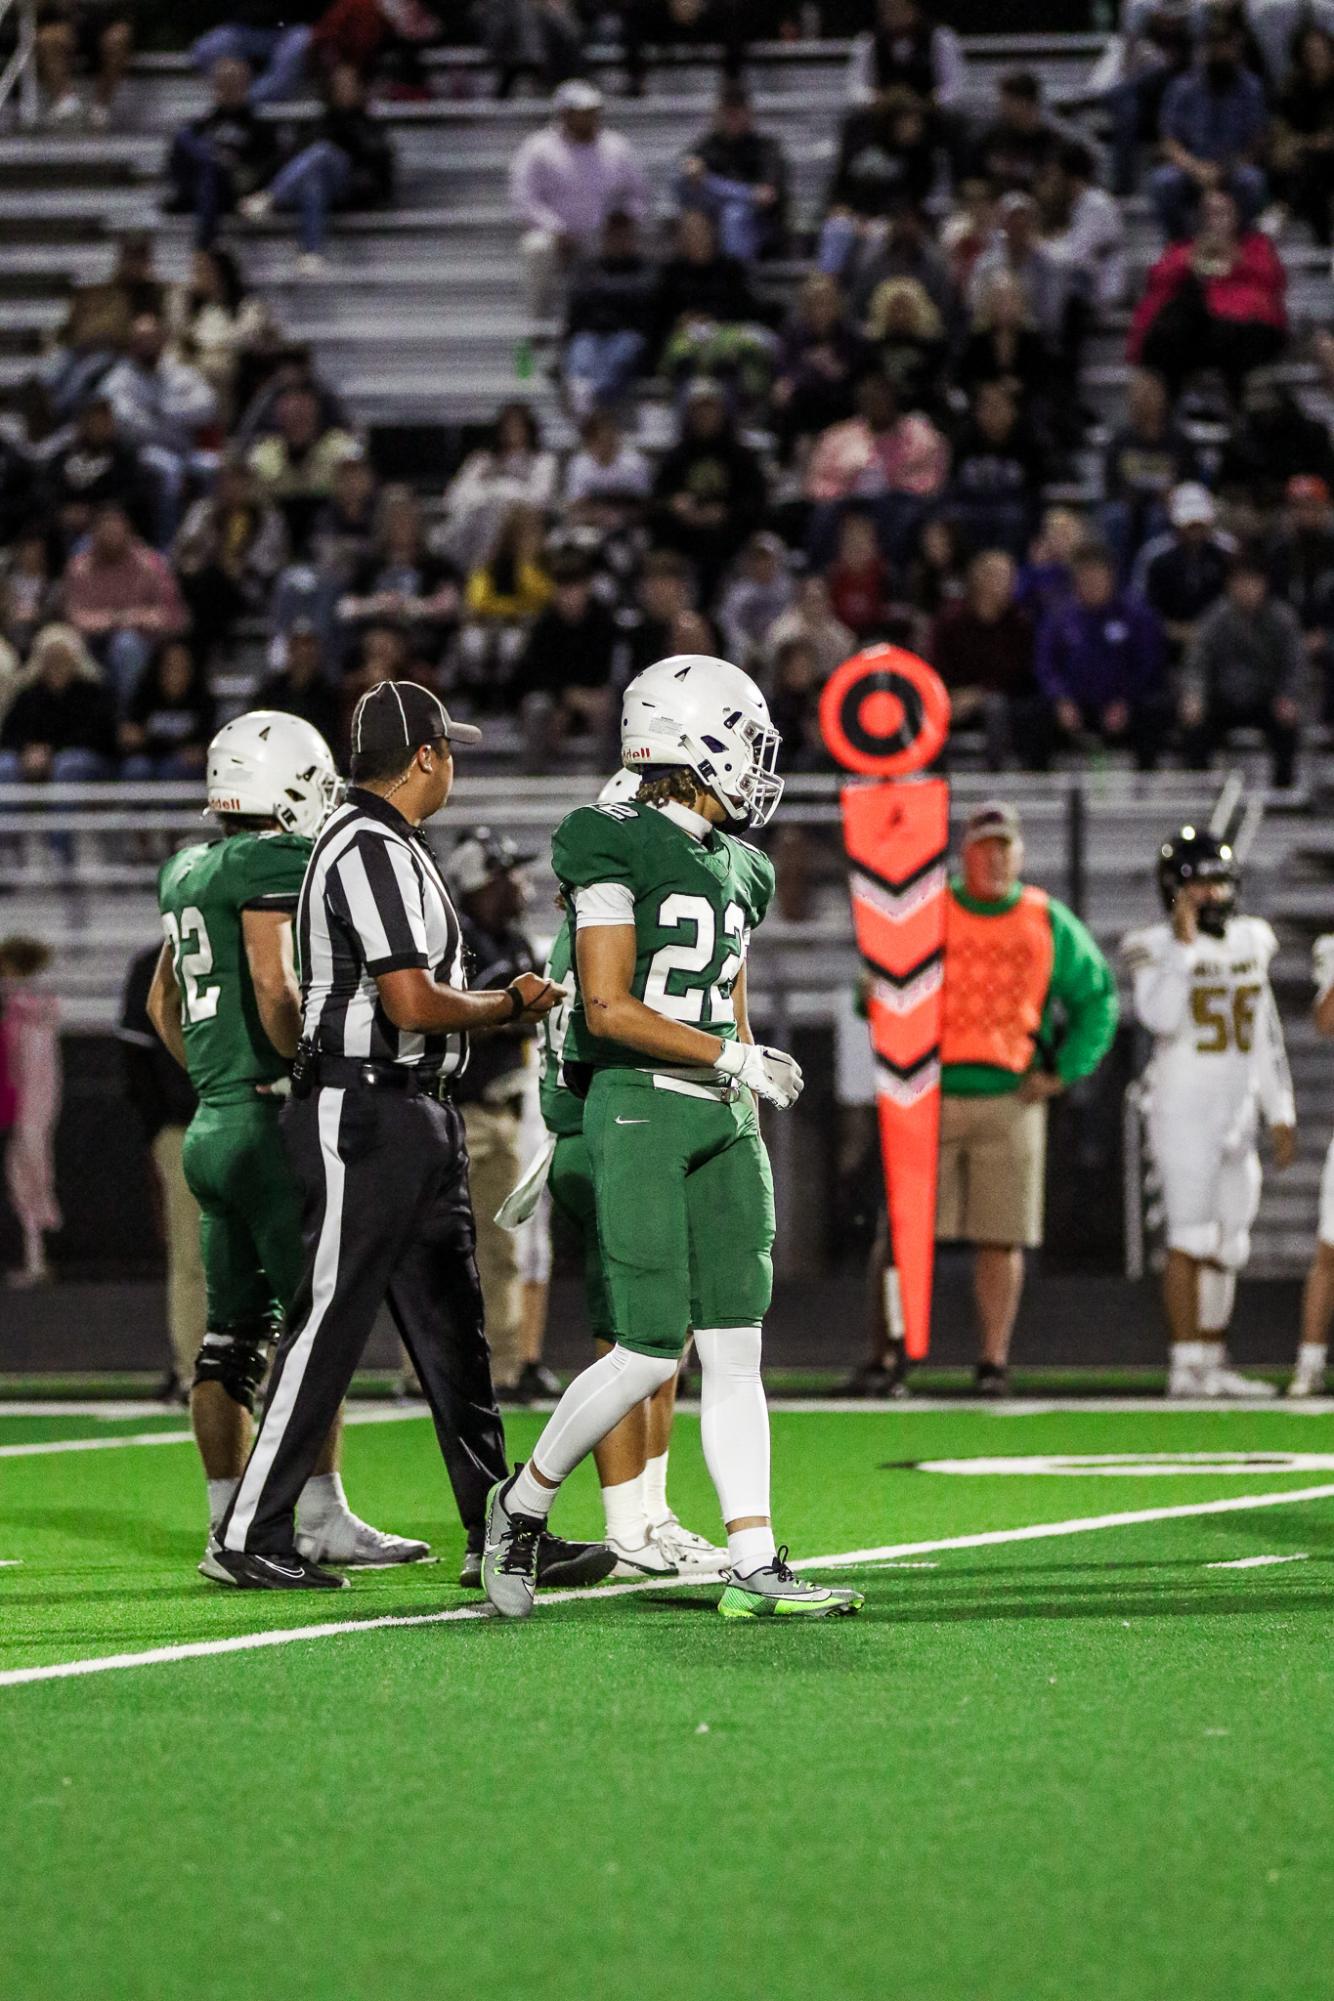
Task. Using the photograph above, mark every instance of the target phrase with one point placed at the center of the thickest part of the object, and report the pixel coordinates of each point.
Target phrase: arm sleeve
(593, 847)
(1160, 973)
(604, 903)
(1083, 983)
(273, 873)
(382, 894)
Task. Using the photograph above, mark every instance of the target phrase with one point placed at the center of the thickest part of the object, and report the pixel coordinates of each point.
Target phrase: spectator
(170, 718)
(562, 676)
(859, 579)
(29, 589)
(344, 529)
(513, 584)
(1013, 150)
(608, 480)
(610, 318)
(29, 1024)
(381, 38)
(646, 23)
(214, 323)
(542, 39)
(1146, 457)
(218, 159)
(294, 368)
(664, 592)
(1214, 129)
(60, 725)
(738, 176)
(294, 468)
(1301, 572)
(794, 706)
(907, 50)
(760, 592)
(278, 57)
(1003, 344)
(706, 318)
(402, 583)
(890, 463)
(88, 35)
(512, 469)
(121, 595)
(1101, 662)
(1047, 578)
(301, 686)
(1244, 671)
(346, 162)
(886, 156)
(1217, 302)
(163, 408)
(936, 575)
(1303, 155)
(982, 648)
(231, 547)
(1017, 249)
(564, 182)
(819, 357)
(904, 328)
(1082, 225)
(908, 249)
(1157, 49)
(999, 472)
(812, 620)
(968, 230)
(93, 465)
(709, 488)
(97, 325)
(1274, 440)
(1182, 573)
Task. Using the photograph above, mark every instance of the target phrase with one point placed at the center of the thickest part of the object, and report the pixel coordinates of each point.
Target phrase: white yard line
(887, 1553)
(371, 1414)
(1258, 1562)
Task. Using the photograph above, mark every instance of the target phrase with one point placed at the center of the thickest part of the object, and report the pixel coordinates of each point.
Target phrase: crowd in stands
(891, 442)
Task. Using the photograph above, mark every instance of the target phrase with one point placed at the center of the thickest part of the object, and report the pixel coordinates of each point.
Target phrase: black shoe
(880, 1379)
(171, 1390)
(561, 1562)
(538, 1383)
(991, 1379)
(470, 1576)
(267, 1570)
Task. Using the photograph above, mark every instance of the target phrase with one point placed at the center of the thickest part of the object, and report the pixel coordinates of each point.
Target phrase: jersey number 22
(192, 954)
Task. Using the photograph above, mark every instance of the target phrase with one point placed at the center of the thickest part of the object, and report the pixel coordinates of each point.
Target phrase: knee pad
(236, 1357)
(729, 1353)
(1215, 1293)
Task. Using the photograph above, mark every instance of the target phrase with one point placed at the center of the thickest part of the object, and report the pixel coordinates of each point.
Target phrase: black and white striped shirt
(373, 902)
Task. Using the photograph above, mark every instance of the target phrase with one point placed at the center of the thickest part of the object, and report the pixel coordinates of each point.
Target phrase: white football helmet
(624, 785)
(273, 766)
(711, 717)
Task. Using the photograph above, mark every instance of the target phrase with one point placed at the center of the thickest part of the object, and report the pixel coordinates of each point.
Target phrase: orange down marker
(884, 714)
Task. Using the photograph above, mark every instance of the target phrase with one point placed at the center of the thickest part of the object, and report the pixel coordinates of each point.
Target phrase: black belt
(345, 1072)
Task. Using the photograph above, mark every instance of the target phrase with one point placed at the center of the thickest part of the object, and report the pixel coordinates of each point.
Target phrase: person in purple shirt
(1212, 131)
(1101, 662)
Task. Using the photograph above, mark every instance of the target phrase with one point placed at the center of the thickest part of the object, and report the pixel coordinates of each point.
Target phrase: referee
(376, 1145)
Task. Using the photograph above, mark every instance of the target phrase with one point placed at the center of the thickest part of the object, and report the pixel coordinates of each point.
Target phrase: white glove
(772, 1073)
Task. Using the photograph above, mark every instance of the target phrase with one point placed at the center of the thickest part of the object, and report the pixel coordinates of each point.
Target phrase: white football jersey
(1217, 1041)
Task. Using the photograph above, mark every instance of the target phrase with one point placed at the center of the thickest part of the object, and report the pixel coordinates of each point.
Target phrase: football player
(1201, 986)
(642, 1528)
(663, 896)
(226, 1001)
(1308, 1378)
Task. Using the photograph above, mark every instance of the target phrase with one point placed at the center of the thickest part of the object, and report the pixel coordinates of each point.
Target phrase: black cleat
(267, 1570)
(888, 1378)
(538, 1384)
(470, 1576)
(990, 1379)
(558, 1562)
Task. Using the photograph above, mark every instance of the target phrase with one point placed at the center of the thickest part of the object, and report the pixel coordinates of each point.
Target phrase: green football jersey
(202, 892)
(562, 1112)
(695, 905)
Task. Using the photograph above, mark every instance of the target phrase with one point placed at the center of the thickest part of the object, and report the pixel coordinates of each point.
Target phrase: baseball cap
(402, 715)
(482, 854)
(1306, 486)
(995, 820)
(1190, 504)
(578, 95)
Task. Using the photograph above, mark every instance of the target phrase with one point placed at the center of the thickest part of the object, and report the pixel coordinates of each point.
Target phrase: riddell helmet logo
(225, 805)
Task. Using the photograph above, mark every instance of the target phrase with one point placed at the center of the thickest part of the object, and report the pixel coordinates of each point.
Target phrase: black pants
(1222, 718)
(385, 1215)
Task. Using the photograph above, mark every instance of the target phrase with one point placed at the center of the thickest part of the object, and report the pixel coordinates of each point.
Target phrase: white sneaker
(346, 1539)
(1226, 1382)
(311, 264)
(1307, 1383)
(257, 207)
(67, 110)
(1186, 1383)
(644, 1559)
(685, 1549)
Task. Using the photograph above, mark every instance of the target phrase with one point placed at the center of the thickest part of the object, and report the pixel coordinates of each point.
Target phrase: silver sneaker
(641, 1559)
(347, 1540)
(688, 1551)
(509, 1555)
(777, 1592)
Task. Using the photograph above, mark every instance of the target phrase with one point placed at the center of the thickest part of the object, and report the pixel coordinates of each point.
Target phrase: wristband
(517, 1004)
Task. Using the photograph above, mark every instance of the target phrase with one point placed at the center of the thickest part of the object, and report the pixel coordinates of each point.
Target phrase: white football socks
(734, 1432)
(623, 1506)
(1189, 1360)
(321, 1500)
(593, 1403)
(656, 1505)
(1311, 1359)
(219, 1500)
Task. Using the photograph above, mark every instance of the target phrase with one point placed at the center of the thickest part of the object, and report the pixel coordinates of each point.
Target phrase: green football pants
(571, 1186)
(250, 1230)
(685, 1209)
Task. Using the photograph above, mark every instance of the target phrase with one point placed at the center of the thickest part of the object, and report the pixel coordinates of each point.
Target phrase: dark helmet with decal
(1195, 856)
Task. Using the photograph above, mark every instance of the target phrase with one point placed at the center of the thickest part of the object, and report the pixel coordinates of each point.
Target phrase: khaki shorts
(993, 1156)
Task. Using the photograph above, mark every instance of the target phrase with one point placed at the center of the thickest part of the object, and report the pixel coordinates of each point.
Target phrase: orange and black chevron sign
(886, 713)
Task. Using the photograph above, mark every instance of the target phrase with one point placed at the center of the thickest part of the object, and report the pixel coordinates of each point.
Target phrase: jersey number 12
(192, 954)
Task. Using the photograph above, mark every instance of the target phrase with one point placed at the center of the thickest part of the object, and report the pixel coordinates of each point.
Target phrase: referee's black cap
(402, 715)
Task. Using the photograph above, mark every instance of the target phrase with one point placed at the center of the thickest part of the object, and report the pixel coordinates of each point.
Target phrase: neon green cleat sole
(812, 1601)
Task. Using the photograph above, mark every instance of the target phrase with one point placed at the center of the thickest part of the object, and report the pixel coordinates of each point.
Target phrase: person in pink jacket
(29, 1031)
(891, 463)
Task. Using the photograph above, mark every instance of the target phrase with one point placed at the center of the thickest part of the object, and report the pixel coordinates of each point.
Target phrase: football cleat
(685, 1549)
(1307, 1383)
(509, 1554)
(991, 1379)
(267, 1570)
(538, 1384)
(558, 1562)
(346, 1539)
(1228, 1383)
(641, 1559)
(777, 1592)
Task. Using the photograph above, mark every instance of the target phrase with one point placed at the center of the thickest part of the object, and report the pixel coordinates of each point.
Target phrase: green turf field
(1080, 1765)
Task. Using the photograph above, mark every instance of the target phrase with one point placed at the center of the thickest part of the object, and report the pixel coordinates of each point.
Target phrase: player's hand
(770, 1073)
(1185, 918)
(1038, 1086)
(281, 1087)
(1283, 1140)
(538, 996)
